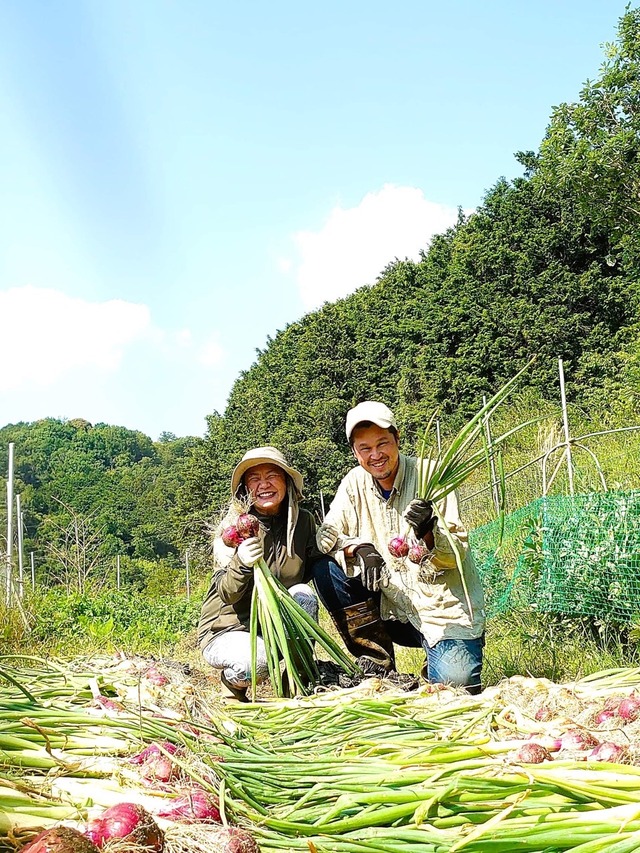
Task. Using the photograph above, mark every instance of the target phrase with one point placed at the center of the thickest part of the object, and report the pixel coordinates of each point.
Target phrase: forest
(547, 265)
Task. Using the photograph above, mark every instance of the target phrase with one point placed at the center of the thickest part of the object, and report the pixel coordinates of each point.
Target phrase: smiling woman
(285, 540)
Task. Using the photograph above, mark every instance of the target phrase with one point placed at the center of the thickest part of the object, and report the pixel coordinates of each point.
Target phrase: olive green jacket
(290, 551)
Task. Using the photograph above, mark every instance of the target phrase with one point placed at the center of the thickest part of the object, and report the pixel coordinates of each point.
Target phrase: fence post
(565, 423)
(186, 561)
(9, 524)
(33, 571)
(19, 519)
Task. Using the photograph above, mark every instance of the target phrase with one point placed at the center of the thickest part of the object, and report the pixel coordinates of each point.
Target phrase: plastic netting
(577, 556)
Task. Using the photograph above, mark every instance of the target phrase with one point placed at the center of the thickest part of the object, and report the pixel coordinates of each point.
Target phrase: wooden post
(19, 522)
(9, 524)
(186, 561)
(33, 571)
(565, 423)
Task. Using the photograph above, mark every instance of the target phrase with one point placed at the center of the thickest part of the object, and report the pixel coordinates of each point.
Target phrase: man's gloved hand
(371, 566)
(250, 551)
(326, 538)
(420, 516)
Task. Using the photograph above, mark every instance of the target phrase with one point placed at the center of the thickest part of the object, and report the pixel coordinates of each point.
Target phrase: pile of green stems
(45, 731)
(403, 772)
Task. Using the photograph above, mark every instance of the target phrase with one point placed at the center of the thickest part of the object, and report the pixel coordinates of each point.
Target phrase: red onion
(192, 806)
(629, 708)
(575, 739)
(604, 716)
(108, 704)
(532, 753)
(153, 749)
(60, 839)
(127, 821)
(398, 547)
(418, 552)
(234, 840)
(159, 768)
(156, 677)
(247, 526)
(608, 751)
(231, 537)
(543, 713)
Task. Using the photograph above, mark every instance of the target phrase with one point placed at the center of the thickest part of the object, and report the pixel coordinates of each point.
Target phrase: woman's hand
(250, 551)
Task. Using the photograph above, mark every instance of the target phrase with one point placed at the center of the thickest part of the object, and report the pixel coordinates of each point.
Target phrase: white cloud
(355, 244)
(47, 338)
(46, 334)
(210, 353)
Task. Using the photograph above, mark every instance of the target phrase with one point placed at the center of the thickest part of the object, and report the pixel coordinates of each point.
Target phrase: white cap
(376, 413)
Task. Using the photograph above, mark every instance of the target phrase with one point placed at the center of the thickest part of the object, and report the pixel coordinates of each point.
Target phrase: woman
(287, 541)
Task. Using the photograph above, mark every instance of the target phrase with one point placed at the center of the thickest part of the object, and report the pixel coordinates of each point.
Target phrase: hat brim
(243, 466)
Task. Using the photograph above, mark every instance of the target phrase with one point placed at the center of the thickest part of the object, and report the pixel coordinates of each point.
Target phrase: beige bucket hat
(262, 456)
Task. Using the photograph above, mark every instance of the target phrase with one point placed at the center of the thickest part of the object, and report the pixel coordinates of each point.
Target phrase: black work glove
(420, 516)
(371, 565)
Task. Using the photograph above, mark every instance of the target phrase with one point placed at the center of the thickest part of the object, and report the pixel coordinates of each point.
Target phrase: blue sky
(180, 180)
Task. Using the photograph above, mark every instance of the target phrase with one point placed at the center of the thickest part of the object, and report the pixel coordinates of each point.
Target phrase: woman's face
(267, 486)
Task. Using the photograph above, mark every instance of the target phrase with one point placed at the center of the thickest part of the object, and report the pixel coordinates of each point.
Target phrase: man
(382, 599)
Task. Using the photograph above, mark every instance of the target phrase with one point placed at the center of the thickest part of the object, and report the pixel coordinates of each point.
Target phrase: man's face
(378, 452)
(267, 485)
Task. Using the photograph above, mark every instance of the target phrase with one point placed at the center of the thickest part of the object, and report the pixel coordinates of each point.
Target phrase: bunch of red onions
(399, 548)
(245, 527)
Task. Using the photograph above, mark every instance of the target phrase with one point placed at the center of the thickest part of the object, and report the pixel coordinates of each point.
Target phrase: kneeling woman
(288, 544)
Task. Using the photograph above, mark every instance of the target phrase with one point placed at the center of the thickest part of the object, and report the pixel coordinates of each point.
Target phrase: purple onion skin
(532, 753)
(398, 547)
(231, 537)
(575, 739)
(191, 807)
(604, 716)
(247, 526)
(60, 839)
(610, 752)
(417, 553)
(234, 840)
(629, 709)
(129, 822)
(153, 749)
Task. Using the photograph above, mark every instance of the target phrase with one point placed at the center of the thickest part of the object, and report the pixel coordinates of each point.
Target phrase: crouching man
(379, 599)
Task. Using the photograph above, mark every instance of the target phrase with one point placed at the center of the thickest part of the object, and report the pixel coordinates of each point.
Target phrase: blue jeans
(455, 662)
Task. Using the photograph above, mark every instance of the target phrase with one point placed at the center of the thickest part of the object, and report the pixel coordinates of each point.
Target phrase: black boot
(365, 635)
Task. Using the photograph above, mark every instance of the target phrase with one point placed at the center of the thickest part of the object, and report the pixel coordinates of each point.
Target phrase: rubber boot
(364, 633)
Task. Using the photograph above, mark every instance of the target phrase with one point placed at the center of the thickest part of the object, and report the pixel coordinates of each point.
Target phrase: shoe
(230, 691)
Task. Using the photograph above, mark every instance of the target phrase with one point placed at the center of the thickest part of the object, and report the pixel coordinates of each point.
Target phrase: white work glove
(326, 538)
(250, 551)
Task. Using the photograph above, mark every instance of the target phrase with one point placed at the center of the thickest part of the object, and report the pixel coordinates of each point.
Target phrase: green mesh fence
(577, 556)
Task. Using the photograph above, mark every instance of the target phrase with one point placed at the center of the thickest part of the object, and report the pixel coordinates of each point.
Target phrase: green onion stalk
(289, 633)
(443, 470)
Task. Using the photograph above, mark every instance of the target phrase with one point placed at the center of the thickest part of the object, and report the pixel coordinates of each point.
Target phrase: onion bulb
(231, 839)
(194, 805)
(231, 537)
(60, 839)
(127, 821)
(531, 753)
(398, 547)
(247, 526)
